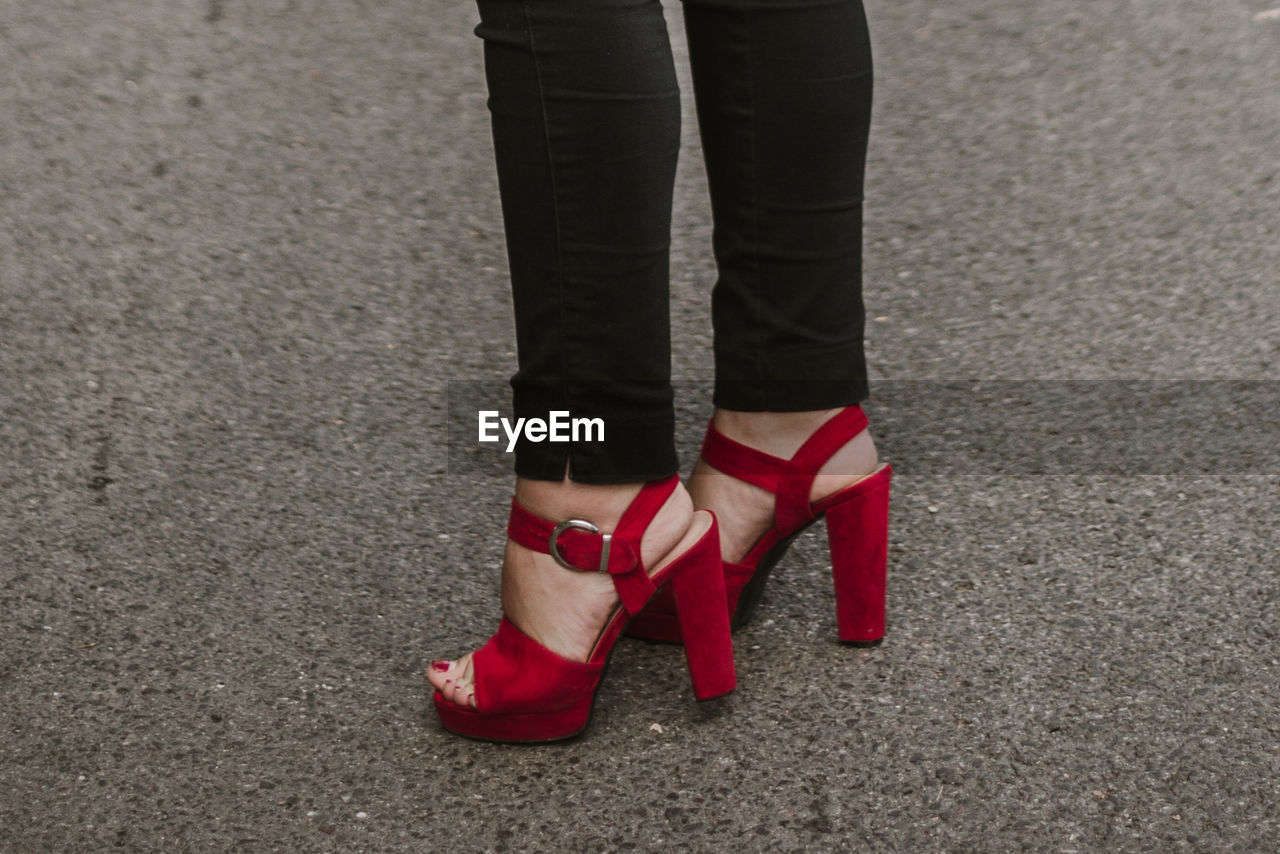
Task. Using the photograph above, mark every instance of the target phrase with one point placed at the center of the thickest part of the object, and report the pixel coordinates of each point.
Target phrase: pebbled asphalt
(245, 248)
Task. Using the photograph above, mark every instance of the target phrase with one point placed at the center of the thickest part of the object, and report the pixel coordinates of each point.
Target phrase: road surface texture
(246, 250)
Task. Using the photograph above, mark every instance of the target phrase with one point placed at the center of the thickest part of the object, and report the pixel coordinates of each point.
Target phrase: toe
(463, 694)
(453, 679)
(464, 691)
(441, 675)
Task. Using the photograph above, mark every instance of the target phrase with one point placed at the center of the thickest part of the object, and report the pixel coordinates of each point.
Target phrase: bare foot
(745, 511)
(561, 609)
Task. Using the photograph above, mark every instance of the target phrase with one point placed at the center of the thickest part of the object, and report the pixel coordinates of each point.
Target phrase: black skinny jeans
(586, 126)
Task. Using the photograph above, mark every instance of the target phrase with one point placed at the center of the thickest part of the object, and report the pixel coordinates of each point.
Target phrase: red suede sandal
(857, 532)
(524, 692)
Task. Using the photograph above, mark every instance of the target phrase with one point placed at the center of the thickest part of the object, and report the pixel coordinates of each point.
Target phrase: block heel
(698, 590)
(858, 537)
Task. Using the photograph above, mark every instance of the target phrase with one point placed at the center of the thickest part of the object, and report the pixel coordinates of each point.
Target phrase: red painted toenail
(440, 666)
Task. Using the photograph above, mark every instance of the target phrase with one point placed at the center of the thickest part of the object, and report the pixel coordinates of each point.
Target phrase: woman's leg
(586, 129)
(783, 90)
(586, 122)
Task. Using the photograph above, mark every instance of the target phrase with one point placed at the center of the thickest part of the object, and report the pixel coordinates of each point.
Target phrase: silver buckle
(581, 525)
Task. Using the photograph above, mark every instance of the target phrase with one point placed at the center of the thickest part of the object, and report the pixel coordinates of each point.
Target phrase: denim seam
(555, 205)
(755, 200)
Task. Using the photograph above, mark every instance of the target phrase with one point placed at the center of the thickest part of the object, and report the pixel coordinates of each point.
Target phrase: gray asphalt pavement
(245, 247)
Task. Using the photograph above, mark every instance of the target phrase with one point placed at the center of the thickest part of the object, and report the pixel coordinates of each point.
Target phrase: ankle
(778, 433)
(604, 506)
(782, 433)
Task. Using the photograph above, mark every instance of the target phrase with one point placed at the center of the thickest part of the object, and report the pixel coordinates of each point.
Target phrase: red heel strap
(790, 480)
(580, 545)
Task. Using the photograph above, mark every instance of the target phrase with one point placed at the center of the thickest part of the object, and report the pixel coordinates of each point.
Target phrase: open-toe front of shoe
(521, 690)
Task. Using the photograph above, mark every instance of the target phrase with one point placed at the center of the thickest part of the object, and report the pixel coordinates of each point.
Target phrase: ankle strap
(580, 545)
(789, 480)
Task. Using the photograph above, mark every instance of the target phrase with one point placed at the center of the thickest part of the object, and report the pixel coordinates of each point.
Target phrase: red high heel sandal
(857, 532)
(524, 692)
